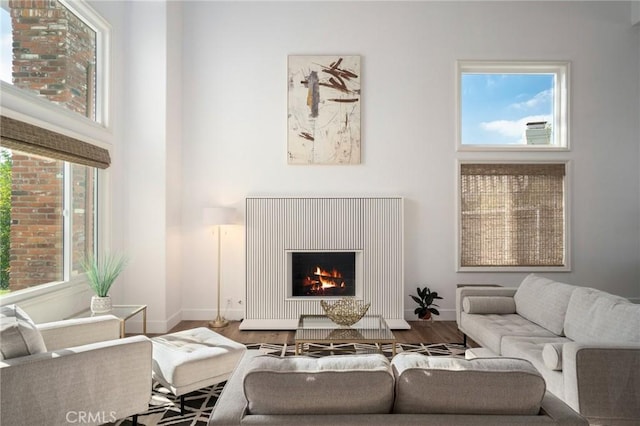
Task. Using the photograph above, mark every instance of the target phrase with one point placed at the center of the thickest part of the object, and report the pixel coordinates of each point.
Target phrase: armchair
(86, 374)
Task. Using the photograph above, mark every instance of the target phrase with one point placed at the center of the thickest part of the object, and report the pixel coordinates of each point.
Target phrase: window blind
(35, 140)
(512, 215)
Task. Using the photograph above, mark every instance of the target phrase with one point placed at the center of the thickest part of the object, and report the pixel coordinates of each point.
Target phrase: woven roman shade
(35, 140)
(512, 215)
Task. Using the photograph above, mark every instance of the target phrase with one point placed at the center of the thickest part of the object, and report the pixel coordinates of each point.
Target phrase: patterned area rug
(164, 408)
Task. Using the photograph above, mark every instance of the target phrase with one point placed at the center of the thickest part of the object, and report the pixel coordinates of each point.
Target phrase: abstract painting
(324, 110)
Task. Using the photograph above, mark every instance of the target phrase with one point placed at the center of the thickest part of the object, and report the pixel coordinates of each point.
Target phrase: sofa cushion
(552, 356)
(445, 385)
(594, 316)
(488, 305)
(544, 302)
(489, 330)
(343, 384)
(18, 334)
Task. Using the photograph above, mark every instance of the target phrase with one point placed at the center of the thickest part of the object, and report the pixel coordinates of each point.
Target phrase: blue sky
(5, 45)
(496, 107)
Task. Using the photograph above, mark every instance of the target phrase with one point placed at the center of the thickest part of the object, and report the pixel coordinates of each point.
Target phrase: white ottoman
(194, 359)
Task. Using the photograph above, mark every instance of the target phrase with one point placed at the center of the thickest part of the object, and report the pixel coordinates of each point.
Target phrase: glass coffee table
(319, 329)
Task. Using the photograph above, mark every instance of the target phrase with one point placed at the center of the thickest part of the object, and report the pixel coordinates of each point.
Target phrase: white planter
(100, 305)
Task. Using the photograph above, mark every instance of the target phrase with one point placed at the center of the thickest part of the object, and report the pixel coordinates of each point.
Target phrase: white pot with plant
(101, 273)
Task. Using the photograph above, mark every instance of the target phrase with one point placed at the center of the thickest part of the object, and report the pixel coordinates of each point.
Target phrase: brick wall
(54, 57)
(53, 50)
(36, 222)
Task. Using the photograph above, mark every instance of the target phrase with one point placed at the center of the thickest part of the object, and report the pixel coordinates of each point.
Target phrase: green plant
(5, 217)
(103, 271)
(425, 299)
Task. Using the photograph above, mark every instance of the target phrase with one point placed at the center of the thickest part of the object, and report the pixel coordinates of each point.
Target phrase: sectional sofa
(368, 389)
(584, 342)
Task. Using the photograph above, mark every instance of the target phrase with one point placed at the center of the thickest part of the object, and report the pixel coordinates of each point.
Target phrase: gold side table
(123, 312)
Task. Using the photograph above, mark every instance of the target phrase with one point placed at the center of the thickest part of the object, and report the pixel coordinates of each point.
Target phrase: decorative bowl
(345, 312)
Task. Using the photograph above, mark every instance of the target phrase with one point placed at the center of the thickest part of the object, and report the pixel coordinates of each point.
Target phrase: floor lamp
(216, 216)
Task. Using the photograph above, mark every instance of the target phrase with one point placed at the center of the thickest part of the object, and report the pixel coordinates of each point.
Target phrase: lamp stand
(219, 322)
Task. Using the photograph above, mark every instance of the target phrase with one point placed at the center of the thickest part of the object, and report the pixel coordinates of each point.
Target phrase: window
(512, 105)
(512, 216)
(53, 70)
(53, 49)
(48, 219)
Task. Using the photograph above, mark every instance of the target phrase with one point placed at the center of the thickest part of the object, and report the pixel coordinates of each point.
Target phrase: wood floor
(420, 332)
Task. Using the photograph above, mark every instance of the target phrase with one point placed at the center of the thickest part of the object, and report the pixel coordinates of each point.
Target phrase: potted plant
(101, 273)
(425, 299)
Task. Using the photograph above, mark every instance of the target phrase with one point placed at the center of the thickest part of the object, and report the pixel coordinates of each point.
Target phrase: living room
(198, 118)
(194, 53)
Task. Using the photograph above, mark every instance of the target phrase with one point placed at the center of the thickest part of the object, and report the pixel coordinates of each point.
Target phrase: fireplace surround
(371, 228)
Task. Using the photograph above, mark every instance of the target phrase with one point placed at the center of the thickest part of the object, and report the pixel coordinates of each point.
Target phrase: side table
(123, 312)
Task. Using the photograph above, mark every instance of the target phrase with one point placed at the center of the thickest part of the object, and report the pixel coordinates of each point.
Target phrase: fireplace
(276, 227)
(323, 273)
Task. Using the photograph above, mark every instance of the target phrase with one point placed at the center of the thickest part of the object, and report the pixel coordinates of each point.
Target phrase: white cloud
(541, 98)
(513, 128)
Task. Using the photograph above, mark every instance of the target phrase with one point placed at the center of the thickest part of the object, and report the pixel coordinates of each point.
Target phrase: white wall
(234, 125)
(174, 163)
(231, 140)
(151, 142)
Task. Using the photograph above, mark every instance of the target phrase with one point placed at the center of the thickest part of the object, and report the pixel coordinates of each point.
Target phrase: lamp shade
(218, 216)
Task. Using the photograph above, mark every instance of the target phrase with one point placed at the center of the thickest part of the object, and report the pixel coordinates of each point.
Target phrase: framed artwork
(324, 110)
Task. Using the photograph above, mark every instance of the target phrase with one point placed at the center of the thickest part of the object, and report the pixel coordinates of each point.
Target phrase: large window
(50, 225)
(52, 63)
(511, 105)
(512, 216)
(53, 49)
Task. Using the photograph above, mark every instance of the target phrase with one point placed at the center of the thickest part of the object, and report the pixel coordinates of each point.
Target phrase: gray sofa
(584, 342)
(412, 389)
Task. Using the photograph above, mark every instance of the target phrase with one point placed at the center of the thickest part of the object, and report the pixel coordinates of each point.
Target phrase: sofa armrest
(79, 331)
(462, 292)
(560, 412)
(109, 380)
(601, 381)
(232, 404)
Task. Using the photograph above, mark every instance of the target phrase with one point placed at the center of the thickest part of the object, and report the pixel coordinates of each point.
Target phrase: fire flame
(329, 279)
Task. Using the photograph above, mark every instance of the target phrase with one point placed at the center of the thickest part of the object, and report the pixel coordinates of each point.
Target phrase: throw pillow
(339, 384)
(595, 316)
(544, 302)
(489, 305)
(552, 356)
(18, 334)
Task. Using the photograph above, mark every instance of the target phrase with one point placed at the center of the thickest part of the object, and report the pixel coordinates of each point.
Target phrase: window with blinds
(512, 215)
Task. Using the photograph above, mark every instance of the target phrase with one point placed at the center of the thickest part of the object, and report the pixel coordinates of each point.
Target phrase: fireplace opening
(322, 273)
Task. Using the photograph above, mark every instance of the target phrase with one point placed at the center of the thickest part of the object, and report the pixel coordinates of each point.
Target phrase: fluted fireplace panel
(369, 227)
